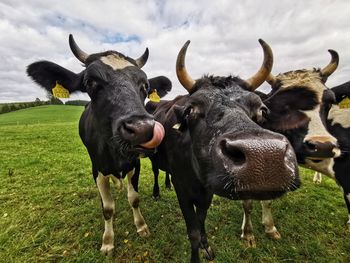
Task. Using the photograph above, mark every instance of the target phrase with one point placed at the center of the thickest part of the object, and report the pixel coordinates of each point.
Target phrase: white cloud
(224, 36)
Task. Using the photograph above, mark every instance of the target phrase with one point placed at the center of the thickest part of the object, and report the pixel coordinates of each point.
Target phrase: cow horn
(141, 61)
(185, 79)
(255, 81)
(78, 53)
(332, 66)
(271, 79)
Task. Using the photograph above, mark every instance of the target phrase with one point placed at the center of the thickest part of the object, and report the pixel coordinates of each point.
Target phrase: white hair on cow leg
(133, 198)
(247, 226)
(267, 220)
(317, 178)
(118, 182)
(108, 207)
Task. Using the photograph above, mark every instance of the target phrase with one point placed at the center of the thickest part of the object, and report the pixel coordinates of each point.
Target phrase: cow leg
(133, 198)
(167, 181)
(108, 208)
(191, 220)
(208, 252)
(267, 220)
(317, 178)
(155, 170)
(247, 226)
(347, 201)
(118, 182)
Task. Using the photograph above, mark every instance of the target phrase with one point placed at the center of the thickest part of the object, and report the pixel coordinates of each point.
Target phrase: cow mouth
(158, 135)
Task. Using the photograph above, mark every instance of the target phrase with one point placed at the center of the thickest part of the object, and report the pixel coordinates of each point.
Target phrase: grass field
(50, 210)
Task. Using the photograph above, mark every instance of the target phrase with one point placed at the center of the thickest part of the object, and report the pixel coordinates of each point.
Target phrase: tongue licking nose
(158, 135)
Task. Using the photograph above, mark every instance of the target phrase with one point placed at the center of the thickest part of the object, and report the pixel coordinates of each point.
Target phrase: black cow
(297, 105)
(115, 127)
(151, 107)
(338, 124)
(213, 145)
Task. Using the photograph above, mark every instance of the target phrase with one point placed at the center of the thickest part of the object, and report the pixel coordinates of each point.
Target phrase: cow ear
(342, 91)
(47, 74)
(180, 124)
(161, 84)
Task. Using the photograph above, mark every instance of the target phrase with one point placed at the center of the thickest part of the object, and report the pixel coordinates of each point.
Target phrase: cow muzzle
(142, 133)
(321, 147)
(259, 165)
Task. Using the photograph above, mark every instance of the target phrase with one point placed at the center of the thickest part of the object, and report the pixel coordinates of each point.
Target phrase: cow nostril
(233, 152)
(311, 145)
(128, 127)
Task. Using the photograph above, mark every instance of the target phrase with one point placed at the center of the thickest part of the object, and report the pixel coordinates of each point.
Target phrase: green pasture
(50, 209)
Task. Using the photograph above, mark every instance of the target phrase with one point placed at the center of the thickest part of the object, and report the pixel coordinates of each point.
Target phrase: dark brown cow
(213, 145)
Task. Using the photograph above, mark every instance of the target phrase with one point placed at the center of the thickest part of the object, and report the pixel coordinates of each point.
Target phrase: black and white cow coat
(338, 124)
(114, 127)
(298, 104)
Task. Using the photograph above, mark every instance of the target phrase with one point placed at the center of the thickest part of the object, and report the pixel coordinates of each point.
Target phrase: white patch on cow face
(348, 197)
(316, 129)
(339, 116)
(116, 62)
(325, 166)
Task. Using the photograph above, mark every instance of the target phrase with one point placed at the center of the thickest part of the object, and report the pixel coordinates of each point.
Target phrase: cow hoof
(143, 231)
(107, 250)
(249, 241)
(209, 253)
(168, 187)
(274, 235)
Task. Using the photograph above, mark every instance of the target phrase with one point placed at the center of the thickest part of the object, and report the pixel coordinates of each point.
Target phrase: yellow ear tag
(154, 96)
(344, 104)
(59, 91)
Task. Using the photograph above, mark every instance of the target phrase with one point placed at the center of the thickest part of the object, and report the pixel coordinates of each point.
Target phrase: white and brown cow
(297, 110)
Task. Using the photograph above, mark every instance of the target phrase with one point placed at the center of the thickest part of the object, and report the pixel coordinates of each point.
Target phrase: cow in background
(114, 127)
(213, 145)
(297, 104)
(338, 124)
(151, 107)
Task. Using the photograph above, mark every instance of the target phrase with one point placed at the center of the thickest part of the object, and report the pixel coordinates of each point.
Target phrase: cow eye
(262, 114)
(144, 89)
(188, 111)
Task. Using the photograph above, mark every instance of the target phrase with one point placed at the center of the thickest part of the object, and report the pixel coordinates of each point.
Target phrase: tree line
(8, 107)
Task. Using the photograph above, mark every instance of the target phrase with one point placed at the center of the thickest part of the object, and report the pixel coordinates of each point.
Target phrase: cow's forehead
(116, 61)
(309, 79)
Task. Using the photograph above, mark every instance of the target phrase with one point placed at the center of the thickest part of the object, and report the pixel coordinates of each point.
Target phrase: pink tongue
(158, 135)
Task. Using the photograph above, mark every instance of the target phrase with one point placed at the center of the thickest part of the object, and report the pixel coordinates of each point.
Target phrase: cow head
(231, 153)
(117, 87)
(298, 105)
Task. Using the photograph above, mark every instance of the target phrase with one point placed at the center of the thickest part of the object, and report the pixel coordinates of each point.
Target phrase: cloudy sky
(224, 36)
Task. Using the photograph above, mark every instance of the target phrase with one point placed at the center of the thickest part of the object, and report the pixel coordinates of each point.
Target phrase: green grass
(50, 210)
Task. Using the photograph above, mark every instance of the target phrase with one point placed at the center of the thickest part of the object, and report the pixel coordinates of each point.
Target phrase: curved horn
(255, 81)
(332, 66)
(185, 79)
(271, 79)
(78, 53)
(141, 61)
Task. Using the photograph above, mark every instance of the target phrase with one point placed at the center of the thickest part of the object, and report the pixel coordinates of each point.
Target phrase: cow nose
(136, 131)
(258, 164)
(321, 149)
